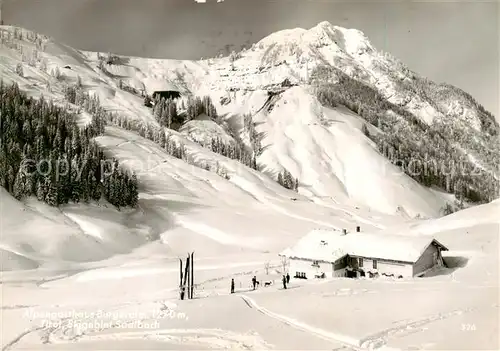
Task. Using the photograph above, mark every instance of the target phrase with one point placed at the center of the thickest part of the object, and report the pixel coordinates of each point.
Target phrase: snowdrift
(323, 148)
(34, 234)
(454, 308)
(330, 155)
(94, 258)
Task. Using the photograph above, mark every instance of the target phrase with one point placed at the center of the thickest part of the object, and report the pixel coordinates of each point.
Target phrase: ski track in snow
(62, 331)
(86, 226)
(210, 232)
(287, 146)
(18, 338)
(243, 184)
(347, 342)
(214, 338)
(380, 339)
(374, 341)
(117, 273)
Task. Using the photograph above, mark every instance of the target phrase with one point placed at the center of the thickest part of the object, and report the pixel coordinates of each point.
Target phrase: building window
(360, 262)
(374, 264)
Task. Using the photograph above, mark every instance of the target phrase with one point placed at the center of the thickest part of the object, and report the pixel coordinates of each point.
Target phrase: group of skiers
(285, 280)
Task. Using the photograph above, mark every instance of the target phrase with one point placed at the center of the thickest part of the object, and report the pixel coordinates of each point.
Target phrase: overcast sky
(448, 41)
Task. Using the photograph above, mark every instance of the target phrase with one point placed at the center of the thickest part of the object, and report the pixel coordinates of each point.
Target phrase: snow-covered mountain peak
(349, 40)
(299, 127)
(305, 42)
(292, 54)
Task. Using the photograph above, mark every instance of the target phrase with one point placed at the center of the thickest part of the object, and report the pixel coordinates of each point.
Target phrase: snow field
(92, 257)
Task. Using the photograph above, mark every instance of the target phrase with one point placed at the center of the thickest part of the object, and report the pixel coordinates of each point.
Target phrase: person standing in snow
(284, 282)
(232, 286)
(287, 278)
(254, 281)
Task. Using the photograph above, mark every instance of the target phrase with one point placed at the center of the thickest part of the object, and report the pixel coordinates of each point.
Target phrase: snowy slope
(327, 151)
(318, 157)
(95, 259)
(177, 200)
(453, 308)
(34, 234)
(338, 167)
(202, 130)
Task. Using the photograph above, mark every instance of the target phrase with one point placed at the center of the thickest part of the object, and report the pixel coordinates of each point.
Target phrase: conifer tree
(365, 130)
(134, 190)
(19, 188)
(67, 158)
(163, 140)
(288, 180)
(172, 114)
(75, 182)
(280, 179)
(41, 189)
(51, 198)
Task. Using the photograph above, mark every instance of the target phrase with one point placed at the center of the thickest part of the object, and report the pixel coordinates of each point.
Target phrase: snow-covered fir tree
(49, 137)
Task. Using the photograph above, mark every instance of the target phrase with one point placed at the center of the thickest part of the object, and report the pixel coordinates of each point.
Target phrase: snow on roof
(316, 246)
(330, 245)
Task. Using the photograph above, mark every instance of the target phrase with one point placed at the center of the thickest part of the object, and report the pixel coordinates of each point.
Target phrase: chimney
(358, 229)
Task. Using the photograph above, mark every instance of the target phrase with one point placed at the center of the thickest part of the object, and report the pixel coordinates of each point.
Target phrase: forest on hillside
(438, 155)
(44, 153)
(166, 114)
